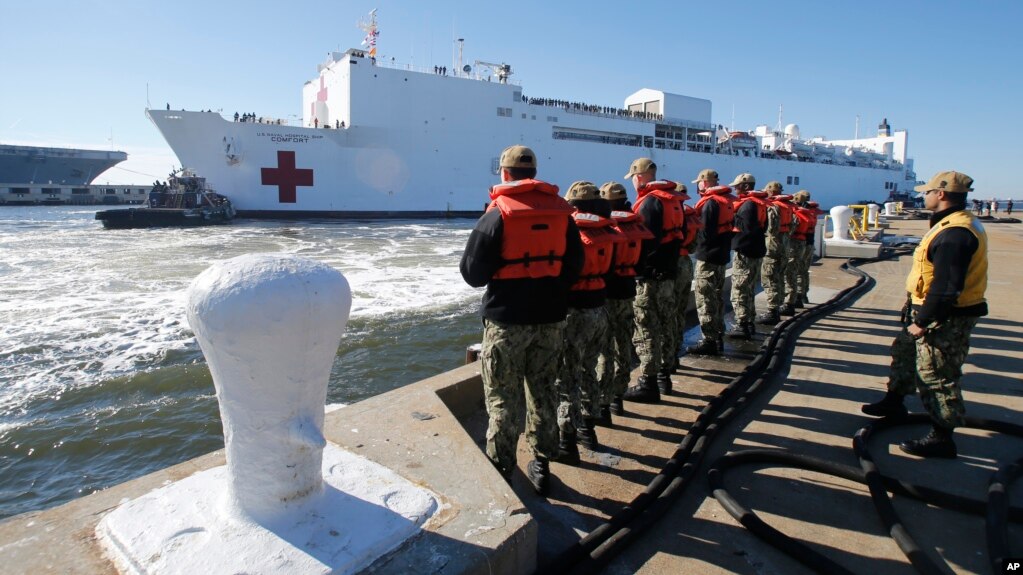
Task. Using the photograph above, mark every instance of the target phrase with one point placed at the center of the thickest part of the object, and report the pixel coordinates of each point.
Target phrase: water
(101, 379)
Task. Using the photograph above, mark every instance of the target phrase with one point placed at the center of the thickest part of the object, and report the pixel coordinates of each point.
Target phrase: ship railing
(390, 62)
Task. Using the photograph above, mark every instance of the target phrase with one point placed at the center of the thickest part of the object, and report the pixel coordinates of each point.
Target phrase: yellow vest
(920, 277)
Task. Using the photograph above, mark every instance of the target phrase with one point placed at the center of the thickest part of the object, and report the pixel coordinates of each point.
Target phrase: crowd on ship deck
(591, 108)
(582, 287)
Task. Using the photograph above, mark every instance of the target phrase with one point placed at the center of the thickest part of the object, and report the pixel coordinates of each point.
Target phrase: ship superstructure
(382, 139)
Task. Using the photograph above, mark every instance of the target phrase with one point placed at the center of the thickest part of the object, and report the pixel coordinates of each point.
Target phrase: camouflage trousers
(745, 275)
(520, 362)
(614, 368)
(683, 287)
(578, 388)
(655, 321)
(710, 293)
(933, 366)
(803, 277)
(772, 275)
(792, 262)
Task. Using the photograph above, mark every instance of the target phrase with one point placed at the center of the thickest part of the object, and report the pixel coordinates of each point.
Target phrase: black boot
(617, 407)
(721, 344)
(587, 435)
(604, 420)
(768, 318)
(891, 405)
(787, 309)
(738, 331)
(750, 331)
(704, 347)
(806, 298)
(538, 471)
(798, 303)
(937, 443)
(664, 383)
(643, 392)
(568, 451)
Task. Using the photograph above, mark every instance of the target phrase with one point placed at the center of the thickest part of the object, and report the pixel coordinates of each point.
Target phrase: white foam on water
(80, 304)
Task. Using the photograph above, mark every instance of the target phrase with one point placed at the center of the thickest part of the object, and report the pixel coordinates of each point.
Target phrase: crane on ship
(502, 71)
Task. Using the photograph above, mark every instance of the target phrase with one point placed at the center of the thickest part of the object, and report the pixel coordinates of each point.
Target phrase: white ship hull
(421, 144)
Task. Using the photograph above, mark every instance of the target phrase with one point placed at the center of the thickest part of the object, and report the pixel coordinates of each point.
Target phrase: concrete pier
(431, 434)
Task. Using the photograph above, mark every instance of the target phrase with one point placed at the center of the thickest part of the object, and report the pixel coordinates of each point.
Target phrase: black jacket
(522, 301)
(950, 253)
(656, 260)
(712, 246)
(749, 240)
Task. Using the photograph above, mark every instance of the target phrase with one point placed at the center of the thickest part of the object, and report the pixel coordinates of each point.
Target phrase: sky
(81, 72)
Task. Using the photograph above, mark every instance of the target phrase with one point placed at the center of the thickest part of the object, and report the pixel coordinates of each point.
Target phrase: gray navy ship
(31, 175)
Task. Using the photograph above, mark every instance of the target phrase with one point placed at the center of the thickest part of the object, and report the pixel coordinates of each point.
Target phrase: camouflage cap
(706, 176)
(773, 187)
(801, 196)
(681, 190)
(745, 178)
(582, 191)
(518, 157)
(955, 182)
(639, 166)
(613, 191)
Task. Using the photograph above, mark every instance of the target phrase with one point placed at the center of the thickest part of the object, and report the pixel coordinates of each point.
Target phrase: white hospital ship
(384, 140)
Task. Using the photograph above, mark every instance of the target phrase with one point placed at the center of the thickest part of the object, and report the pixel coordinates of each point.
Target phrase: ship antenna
(781, 107)
(856, 135)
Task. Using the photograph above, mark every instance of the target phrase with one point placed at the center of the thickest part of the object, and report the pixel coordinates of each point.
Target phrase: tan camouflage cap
(613, 191)
(744, 179)
(640, 166)
(518, 157)
(582, 191)
(773, 187)
(955, 182)
(681, 190)
(801, 196)
(710, 176)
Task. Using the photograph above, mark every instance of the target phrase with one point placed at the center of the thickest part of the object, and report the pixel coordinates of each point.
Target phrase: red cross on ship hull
(286, 177)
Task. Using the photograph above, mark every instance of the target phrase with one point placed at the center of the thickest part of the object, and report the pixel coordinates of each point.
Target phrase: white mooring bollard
(287, 501)
(840, 217)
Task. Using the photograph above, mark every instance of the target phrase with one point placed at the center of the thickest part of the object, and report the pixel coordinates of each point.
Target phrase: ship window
(795, 180)
(19, 190)
(788, 180)
(110, 191)
(523, 115)
(79, 190)
(517, 95)
(534, 116)
(51, 191)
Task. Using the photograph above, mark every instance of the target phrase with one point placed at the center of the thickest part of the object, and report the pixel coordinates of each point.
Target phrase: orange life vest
(598, 249)
(535, 221)
(806, 222)
(694, 223)
(786, 213)
(631, 232)
(758, 198)
(726, 211)
(664, 190)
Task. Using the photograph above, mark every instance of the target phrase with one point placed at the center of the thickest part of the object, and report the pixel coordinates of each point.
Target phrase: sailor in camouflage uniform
(524, 309)
(686, 270)
(749, 246)
(614, 369)
(579, 392)
(946, 297)
(773, 267)
(713, 252)
(654, 306)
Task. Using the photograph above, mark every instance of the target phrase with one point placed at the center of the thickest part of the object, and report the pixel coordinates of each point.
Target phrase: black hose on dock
(594, 551)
